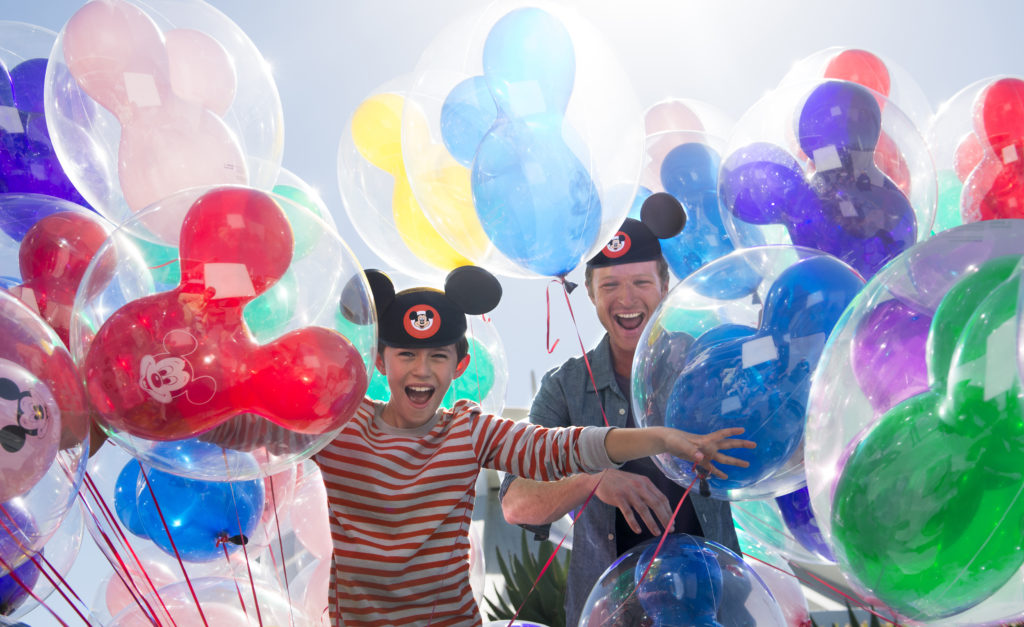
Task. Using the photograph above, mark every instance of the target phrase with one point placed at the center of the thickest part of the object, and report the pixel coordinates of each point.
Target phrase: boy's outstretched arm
(626, 444)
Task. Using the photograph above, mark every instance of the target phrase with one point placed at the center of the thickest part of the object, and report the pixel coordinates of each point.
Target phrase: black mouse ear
(355, 305)
(472, 289)
(663, 214)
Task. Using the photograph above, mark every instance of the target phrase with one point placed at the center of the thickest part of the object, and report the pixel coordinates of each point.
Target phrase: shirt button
(622, 412)
(611, 536)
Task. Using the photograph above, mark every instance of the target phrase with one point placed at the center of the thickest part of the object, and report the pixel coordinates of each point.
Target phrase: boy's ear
(380, 363)
(459, 369)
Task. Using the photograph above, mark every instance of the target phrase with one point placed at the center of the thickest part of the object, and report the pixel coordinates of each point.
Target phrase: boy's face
(419, 378)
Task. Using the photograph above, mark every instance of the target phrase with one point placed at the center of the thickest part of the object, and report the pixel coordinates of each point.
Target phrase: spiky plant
(546, 604)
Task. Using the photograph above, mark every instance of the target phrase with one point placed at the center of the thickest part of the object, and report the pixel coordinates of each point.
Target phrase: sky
(328, 55)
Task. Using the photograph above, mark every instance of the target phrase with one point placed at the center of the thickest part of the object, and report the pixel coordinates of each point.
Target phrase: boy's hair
(588, 274)
(461, 348)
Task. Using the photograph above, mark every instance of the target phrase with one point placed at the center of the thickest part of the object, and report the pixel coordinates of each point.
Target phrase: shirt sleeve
(528, 450)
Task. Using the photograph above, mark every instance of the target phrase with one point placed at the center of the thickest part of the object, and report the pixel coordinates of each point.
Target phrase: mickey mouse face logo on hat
(618, 246)
(421, 321)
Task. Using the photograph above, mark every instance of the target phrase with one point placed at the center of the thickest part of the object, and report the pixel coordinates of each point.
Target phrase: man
(625, 281)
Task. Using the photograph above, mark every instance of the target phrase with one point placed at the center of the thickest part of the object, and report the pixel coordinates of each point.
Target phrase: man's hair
(461, 348)
(662, 274)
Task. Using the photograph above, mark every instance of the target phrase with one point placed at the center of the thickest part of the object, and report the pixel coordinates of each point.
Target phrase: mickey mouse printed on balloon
(995, 187)
(31, 431)
(926, 513)
(846, 206)
(28, 163)
(759, 378)
(172, 135)
(175, 364)
(536, 200)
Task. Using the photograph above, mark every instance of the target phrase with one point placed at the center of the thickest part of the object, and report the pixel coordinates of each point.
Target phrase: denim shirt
(566, 398)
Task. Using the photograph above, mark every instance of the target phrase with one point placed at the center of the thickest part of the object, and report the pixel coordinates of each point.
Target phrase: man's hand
(705, 449)
(634, 494)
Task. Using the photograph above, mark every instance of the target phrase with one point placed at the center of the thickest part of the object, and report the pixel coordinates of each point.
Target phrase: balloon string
(166, 263)
(554, 553)
(30, 555)
(17, 579)
(245, 552)
(177, 555)
(583, 349)
(222, 542)
(547, 300)
(859, 603)
(280, 546)
(112, 521)
(64, 583)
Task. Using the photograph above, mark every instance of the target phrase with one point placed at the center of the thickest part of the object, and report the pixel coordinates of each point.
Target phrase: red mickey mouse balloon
(53, 257)
(176, 364)
(995, 188)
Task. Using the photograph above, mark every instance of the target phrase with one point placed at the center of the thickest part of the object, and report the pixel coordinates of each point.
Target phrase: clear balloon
(552, 168)
(184, 364)
(762, 521)
(776, 573)
(748, 364)
(172, 96)
(689, 581)
(943, 545)
(824, 188)
(995, 188)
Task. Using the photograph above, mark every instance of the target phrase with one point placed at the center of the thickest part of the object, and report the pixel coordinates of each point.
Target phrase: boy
(401, 475)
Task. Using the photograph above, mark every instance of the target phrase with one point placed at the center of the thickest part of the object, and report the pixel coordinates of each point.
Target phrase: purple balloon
(796, 511)
(13, 593)
(841, 116)
(763, 184)
(18, 532)
(888, 354)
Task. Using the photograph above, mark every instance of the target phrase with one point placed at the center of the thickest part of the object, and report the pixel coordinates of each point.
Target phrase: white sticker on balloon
(141, 89)
(759, 351)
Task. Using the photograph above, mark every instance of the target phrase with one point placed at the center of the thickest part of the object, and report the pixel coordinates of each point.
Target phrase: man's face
(625, 296)
(418, 378)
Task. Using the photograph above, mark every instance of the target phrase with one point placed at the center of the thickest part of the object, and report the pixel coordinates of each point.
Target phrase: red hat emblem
(617, 246)
(421, 321)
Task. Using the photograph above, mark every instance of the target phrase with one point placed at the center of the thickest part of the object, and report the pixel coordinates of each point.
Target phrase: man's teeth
(630, 315)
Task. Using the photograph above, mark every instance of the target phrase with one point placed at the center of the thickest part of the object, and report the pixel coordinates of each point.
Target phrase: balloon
(683, 588)
(310, 514)
(846, 205)
(758, 378)
(13, 586)
(126, 498)
(762, 521)
(200, 69)
(777, 575)
(948, 452)
(861, 67)
(30, 431)
(466, 116)
(995, 188)
(947, 213)
(53, 257)
(27, 158)
(201, 516)
(175, 364)
(888, 354)
(18, 529)
(796, 511)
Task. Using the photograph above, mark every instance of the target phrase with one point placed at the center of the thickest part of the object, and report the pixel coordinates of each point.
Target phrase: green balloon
(269, 312)
(947, 211)
(954, 310)
(917, 519)
(478, 379)
(305, 229)
(378, 390)
(162, 262)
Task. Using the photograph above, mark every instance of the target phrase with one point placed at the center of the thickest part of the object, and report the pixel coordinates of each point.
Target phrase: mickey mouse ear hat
(423, 317)
(661, 217)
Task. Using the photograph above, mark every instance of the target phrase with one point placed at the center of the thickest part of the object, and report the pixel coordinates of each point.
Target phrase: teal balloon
(947, 212)
(378, 390)
(478, 379)
(307, 220)
(269, 313)
(162, 262)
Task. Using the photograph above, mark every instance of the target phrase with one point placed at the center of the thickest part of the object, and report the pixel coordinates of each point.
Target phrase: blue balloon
(466, 115)
(200, 515)
(763, 184)
(12, 593)
(535, 200)
(799, 518)
(839, 116)
(642, 194)
(729, 279)
(126, 499)
(683, 586)
(759, 380)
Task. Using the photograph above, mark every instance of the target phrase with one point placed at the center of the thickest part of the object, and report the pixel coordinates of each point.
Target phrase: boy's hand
(705, 449)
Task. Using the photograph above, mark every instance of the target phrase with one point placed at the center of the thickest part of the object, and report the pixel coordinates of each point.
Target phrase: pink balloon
(786, 589)
(310, 588)
(201, 70)
(671, 115)
(310, 516)
(667, 125)
(116, 54)
(118, 596)
(29, 430)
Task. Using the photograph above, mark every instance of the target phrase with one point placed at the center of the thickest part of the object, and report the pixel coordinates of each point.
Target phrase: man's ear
(380, 363)
(459, 369)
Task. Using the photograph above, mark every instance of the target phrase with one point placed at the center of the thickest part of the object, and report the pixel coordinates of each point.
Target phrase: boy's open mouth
(630, 321)
(419, 394)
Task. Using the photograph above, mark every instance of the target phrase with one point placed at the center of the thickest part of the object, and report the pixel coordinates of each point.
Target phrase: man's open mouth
(630, 321)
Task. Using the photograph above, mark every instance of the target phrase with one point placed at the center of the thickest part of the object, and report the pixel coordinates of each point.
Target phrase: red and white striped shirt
(401, 501)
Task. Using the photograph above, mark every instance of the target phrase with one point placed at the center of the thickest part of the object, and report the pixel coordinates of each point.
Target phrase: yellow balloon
(377, 134)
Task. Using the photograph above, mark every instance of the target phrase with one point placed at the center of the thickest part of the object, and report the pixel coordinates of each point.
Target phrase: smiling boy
(401, 475)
